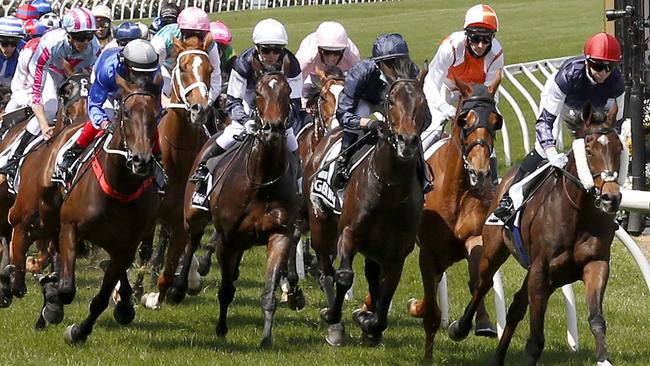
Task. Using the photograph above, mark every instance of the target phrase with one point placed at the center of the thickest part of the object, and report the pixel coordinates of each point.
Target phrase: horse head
(406, 108)
(324, 96)
(139, 111)
(605, 156)
(191, 77)
(272, 104)
(474, 131)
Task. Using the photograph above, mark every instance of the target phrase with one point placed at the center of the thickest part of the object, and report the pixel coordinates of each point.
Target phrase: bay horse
(72, 109)
(456, 208)
(181, 136)
(567, 227)
(381, 212)
(254, 201)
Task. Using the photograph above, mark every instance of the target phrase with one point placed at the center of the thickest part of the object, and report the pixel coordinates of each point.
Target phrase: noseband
(183, 90)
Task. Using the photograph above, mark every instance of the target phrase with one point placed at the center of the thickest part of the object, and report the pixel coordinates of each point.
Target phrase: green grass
(184, 334)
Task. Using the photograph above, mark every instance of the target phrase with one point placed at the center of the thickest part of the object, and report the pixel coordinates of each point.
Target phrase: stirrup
(504, 209)
(200, 174)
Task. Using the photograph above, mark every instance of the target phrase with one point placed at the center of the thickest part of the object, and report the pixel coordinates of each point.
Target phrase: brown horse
(457, 207)
(72, 109)
(181, 135)
(567, 228)
(380, 215)
(254, 202)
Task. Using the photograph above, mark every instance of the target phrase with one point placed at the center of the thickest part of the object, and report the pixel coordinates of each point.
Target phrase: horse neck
(388, 169)
(455, 177)
(575, 193)
(266, 162)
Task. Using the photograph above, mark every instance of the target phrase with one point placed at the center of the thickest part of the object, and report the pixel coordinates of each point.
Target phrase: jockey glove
(448, 111)
(556, 159)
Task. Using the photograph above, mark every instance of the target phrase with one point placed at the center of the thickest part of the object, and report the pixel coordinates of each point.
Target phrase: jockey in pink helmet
(328, 46)
(223, 37)
(192, 22)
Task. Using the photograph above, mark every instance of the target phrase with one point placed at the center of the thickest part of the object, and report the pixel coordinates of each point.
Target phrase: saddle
(10, 119)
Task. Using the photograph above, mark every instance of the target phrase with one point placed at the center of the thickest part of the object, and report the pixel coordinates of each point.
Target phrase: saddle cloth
(321, 192)
(8, 152)
(433, 148)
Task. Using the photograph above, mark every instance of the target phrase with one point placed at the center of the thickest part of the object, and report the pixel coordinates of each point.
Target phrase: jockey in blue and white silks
(590, 78)
(192, 22)
(11, 42)
(76, 46)
(137, 57)
(270, 39)
(363, 92)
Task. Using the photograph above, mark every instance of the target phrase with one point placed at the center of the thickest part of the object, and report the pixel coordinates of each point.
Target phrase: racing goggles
(82, 36)
(268, 48)
(477, 38)
(599, 66)
(6, 42)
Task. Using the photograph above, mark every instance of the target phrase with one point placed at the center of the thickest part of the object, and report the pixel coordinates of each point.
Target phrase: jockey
(137, 59)
(270, 39)
(103, 18)
(21, 88)
(589, 78)
(223, 37)
(472, 56)
(124, 33)
(27, 12)
(75, 46)
(168, 14)
(328, 46)
(42, 6)
(144, 31)
(192, 23)
(364, 88)
(50, 20)
(34, 28)
(11, 42)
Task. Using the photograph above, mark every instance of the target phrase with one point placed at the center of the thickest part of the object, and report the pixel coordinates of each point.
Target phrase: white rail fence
(523, 102)
(137, 9)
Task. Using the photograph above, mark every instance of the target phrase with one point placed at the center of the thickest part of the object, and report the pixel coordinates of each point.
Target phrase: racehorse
(254, 201)
(381, 212)
(181, 135)
(72, 108)
(5, 97)
(567, 227)
(457, 207)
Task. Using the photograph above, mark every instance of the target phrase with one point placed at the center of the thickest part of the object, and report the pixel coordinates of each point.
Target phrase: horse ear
(122, 83)
(178, 45)
(611, 115)
(286, 65)
(258, 68)
(207, 42)
(586, 114)
(320, 73)
(465, 88)
(423, 73)
(494, 86)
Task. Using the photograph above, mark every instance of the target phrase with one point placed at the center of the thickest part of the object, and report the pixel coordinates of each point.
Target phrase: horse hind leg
(484, 327)
(145, 252)
(205, 262)
(75, 334)
(229, 262)
(538, 293)
(595, 277)
(158, 254)
(180, 286)
(279, 245)
(516, 313)
(52, 311)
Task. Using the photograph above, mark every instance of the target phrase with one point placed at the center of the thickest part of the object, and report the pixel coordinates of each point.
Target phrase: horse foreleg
(484, 327)
(116, 270)
(494, 254)
(19, 245)
(124, 311)
(68, 241)
(178, 291)
(344, 276)
(205, 262)
(158, 255)
(229, 263)
(295, 297)
(595, 277)
(145, 251)
(516, 313)
(428, 308)
(278, 249)
(178, 241)
(538, 294)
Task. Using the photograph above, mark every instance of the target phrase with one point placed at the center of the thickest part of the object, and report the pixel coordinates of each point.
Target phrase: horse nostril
(195, 108)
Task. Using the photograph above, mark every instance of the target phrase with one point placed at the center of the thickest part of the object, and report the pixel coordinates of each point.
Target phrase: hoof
(53, 313)
(266, 343)
(5, 298)
(296, 299)
(604, 363)
(40, 323)
(204, 267)
(371, 340)
(222, 330)
(175, 295)
(150, 301)
(124, 313)
(19, 292)
(361, 317)
(485, 329)
(71, 335)
(335, 335)
(455, 333)
(412, 308)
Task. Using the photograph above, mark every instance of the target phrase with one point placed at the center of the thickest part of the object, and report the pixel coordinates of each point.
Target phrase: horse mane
(401, 68)
(330, 72)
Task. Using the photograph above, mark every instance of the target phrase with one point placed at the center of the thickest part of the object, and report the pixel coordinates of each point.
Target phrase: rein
(177, 83)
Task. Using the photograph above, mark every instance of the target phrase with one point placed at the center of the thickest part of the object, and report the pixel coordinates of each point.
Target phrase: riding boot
(202, 171)
(12, 164)
(70, 156)
(504, 209)
(341, 174)
(425, 173)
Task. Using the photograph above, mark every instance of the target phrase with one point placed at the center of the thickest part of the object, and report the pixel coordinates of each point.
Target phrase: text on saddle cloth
(7, 153)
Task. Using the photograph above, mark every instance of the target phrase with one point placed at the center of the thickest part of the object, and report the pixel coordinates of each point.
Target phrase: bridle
(391, 135)
(82, 81)
(468, 105)
(180, 90)
(323, 123)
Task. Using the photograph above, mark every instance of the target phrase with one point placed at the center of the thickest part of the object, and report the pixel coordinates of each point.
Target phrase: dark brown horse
(254, 202)
(457, 207)
(181, 135)
(380, 215)
(567, 228)
(72, 109)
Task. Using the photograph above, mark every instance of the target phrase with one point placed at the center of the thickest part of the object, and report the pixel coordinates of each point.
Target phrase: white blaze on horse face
(196, 65)
(272, 83)
(603, 140)
(336, 90)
